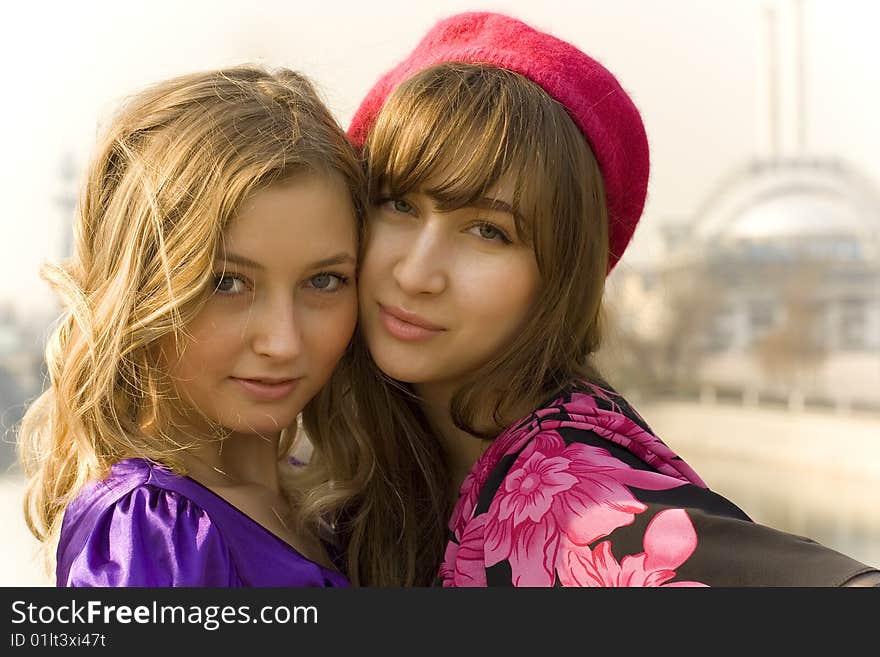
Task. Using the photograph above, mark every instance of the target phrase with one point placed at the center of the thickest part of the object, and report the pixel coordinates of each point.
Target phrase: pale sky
(695, 68)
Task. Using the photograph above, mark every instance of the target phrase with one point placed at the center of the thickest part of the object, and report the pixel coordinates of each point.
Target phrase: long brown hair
(453, 131)
(173, 167)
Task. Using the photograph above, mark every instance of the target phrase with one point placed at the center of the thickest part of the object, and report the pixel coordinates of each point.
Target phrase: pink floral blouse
(582, 493)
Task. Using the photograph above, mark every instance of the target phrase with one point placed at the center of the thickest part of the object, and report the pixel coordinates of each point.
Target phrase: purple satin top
(143, 525)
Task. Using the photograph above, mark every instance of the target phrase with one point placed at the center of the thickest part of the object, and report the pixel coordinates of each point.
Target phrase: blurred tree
(795, 346)
(656, 340)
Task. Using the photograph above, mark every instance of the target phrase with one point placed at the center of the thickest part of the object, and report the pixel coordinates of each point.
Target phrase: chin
(394, 366)
(400, 370)
(262, 424)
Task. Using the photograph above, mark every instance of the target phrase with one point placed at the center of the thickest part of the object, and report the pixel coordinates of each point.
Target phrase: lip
(405, 325)
(267, 389)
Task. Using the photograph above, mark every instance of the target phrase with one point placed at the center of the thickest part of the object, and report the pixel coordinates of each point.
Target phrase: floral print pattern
(574, 492)
(669, 540)
(560, 497)
(584, 494)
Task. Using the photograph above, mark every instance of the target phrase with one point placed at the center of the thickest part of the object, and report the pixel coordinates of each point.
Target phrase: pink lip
(268, 389)
(404, 325)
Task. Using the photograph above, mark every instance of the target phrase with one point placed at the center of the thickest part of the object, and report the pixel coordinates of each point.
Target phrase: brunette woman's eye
(402, 206)
(490, 232)
(397, 205)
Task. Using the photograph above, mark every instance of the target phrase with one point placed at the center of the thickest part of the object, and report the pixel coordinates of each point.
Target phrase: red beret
(593, 97)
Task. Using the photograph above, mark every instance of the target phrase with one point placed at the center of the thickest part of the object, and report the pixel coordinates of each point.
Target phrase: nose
(421, 266)
(275, 332)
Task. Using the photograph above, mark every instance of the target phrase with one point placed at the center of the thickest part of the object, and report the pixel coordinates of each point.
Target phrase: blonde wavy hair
(172, 169)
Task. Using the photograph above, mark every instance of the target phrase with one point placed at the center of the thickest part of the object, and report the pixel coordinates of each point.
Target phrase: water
(815, 474)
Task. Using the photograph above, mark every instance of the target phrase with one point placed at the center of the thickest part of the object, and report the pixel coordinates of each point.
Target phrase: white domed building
(774, 291)
(772, 288)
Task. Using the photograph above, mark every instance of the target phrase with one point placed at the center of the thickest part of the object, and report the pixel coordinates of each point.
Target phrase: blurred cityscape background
(744, 322)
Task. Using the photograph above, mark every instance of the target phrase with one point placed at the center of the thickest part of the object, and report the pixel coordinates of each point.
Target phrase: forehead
(299, 219)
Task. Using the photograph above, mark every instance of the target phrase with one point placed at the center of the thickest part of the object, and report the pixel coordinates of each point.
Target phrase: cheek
(379, 255)
(370, 279)
(499, 296)
(329, 332)
(528, 287)
(208, 342)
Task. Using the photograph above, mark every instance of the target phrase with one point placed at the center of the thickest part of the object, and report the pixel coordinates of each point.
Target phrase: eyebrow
(494, 204)
(483, 202)
(338, 259)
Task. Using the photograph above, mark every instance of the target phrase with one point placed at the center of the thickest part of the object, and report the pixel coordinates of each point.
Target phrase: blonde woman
(209, 299)
(507, 173)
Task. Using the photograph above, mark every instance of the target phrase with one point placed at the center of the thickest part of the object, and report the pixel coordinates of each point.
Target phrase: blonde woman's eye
(327, 282)
(228, 284)
(490, 232)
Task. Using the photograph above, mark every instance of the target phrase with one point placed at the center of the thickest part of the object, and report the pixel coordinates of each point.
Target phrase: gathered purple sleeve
(151, 537)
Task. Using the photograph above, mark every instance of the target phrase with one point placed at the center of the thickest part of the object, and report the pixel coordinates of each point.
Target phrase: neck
(462, 448)
(237, 460)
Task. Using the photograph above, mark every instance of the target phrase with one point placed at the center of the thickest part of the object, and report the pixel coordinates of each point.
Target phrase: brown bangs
(455, 130)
